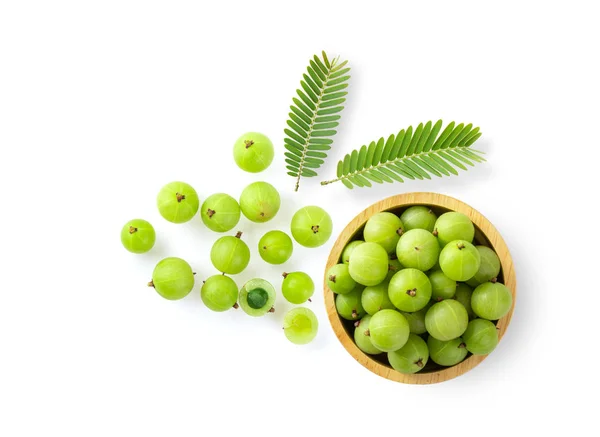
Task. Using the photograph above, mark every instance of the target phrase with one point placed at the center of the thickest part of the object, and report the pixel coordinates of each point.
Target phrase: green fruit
(172, 278)
(411, 357)
(416, 320)
(177, 202)
(297, 287)
(349, 305)
(300, 325)
(368, 264)
(384, 228)
(220, 212)
(453, 226)
(257, 297)
(349, 249)
(361, 337)
(230, 255)
(418, 249)
(389, 330)
(418, 217)
(446, 320)
(459, 260)
(375, 298)
(253, 152)
(260, 202)
(481, 337)
(442, 287)
(219, 293)
(410, 290)
(446, 353)
(491, 301)
(463, 295)
(275, 247)
(489, 267)
(138, 236)
(339, 280)
(311, 226)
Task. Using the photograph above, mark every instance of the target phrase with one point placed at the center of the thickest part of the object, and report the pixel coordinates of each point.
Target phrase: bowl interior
(479, 240)
(485, 234)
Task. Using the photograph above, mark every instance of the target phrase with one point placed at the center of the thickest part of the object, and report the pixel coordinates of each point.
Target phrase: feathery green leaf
(418, 153)
(314, 118)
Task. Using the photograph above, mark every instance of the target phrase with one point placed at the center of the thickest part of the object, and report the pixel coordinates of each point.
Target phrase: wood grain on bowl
(485, 234)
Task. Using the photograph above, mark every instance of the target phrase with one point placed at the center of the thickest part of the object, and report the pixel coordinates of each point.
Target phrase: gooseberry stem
(284, 274)
(180, 197)
(368, 333)
(238, 235)
(412, 292)
(315, 229)
(151, 284)
(332, 278)
(354, 314)
(462, 345)
(235, 306)
(132, 230)
(248, 143)
(419, 362)
(210, 213)
(272, 310)
(357, 324)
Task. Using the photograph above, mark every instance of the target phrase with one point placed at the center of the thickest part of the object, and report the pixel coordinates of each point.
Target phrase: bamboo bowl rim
(483, 230)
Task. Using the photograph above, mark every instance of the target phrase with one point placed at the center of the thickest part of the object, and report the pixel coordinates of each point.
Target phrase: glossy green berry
(491, 301)
(411, 357)
(220, 212)
(230, 254)
(311, 226)
(481, 337)
(489, 267)
(172, 278)
(253, 152)
(388, 330)
(452, 226)
(459, 260)
(275, 247)
(447, 353)
(410, 290)
(368, 264)
(257, 297)
(446, 320)
(416, 320)
(300, 325)
(177, 202)
(362, 337)
(260, 202)
(442, 287)
(375, 298)
(463, 295)
(349, 305)
(297, 287)
(349, 249)
(138, 236)
(339, 280)
(418, 249)
(418, 217)
(384, 228)
(219, 293)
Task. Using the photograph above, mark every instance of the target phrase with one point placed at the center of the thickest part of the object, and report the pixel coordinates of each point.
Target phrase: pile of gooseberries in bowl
(419, 288)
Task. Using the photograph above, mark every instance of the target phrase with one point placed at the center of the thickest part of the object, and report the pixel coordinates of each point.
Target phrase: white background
(101, 103)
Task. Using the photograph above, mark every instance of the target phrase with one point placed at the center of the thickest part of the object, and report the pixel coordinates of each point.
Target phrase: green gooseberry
(177, 202)
(230, 254)
(275, 247)
(260, 202)
(257, 297)
(361, 337)
(491, 301)
(172, 278)
(388, 330)
(452, 226)
(446, 320)
(368, 264)
(138, 236)
(481, 337)
(253, 152)
(410, 290)
(311, 226)
(375, 298)
(418, 249)
(220, 212)
(459, 260)
(418, 217)
(442, 287)
(339, 280)
(447, 353)
(349, 249)
(219, 293)
(384, 228)
(411, 357)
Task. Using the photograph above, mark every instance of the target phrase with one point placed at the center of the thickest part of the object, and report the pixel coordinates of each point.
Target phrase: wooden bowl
(485, 234)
